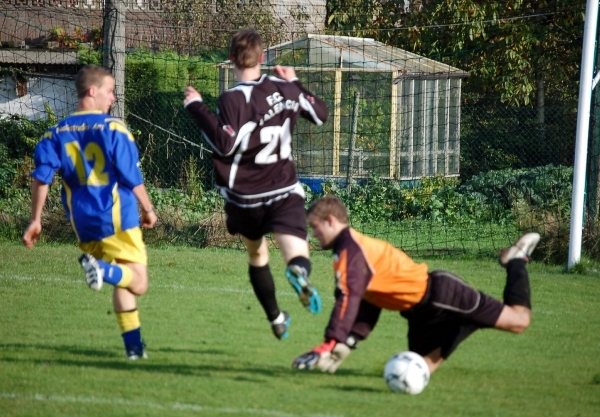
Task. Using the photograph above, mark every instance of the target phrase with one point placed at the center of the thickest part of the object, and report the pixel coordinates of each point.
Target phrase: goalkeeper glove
(327, 357)
(330, 361)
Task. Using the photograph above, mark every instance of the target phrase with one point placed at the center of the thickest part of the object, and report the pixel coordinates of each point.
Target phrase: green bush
(18, 137)
(191, 202)
(436, 199)
(87, 55)
(154, 87)
(8, 170)
(372, 201)
(498, 197)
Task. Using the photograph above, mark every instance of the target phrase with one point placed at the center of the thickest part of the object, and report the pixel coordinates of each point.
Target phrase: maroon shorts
(286, 216)
(450, 311)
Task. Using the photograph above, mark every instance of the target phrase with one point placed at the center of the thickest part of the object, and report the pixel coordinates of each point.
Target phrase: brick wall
(31, 20)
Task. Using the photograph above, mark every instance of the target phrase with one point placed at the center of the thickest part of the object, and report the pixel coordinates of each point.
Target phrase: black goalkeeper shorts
(450, 311)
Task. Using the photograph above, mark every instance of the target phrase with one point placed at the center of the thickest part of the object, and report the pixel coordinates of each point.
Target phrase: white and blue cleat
(93, 273)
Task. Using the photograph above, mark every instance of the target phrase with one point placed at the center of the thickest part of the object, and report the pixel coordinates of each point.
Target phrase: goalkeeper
(442, 310)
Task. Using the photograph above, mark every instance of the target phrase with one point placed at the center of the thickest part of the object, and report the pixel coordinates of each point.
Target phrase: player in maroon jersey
(251, 140)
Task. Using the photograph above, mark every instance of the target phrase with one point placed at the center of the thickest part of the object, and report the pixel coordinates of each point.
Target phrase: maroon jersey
(251, 137)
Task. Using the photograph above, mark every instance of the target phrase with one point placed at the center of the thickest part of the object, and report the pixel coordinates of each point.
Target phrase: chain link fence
(420, 155)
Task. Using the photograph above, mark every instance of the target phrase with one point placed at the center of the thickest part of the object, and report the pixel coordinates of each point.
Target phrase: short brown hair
(88, 76)
(245, 49)
(326, 205)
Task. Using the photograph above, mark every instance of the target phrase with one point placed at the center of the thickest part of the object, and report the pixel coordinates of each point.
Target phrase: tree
(523, 51)
(209, 24)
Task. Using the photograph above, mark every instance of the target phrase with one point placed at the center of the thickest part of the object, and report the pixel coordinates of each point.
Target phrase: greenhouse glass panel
(429, 126)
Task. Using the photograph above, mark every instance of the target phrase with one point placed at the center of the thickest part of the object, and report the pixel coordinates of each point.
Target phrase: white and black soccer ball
(406, 372)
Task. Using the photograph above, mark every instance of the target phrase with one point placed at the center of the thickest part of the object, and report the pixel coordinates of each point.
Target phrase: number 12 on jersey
(91, 153)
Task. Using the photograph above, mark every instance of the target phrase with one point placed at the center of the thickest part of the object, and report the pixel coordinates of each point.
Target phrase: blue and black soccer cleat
(280, 330)
(309, 297)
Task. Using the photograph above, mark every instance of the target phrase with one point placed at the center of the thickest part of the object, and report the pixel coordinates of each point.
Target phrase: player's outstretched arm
(39, 193)
(219, 130)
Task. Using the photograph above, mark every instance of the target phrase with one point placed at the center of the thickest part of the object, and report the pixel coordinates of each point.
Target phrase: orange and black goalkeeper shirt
(373, 270)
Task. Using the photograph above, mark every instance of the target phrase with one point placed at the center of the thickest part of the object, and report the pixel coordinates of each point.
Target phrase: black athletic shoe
(281, 330)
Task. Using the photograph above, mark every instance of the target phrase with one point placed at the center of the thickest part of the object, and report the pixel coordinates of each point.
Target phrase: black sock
(264, 288)
(302, 262)
(517, 291)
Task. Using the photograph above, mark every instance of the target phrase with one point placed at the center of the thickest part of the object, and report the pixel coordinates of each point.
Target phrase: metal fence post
(581, 140)
(352, 139)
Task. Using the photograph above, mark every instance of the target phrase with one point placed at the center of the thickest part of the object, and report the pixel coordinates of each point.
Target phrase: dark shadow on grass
(115, 360)
(205, 364)
(191, 351)
(355, 388)
(226, 368)
(353, 372)
(340, 373)
(60, 349)
(110, 353)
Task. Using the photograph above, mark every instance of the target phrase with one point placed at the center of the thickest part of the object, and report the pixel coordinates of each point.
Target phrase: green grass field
(212, 352)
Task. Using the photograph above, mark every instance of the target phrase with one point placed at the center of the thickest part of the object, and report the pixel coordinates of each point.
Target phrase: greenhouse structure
(392, 113)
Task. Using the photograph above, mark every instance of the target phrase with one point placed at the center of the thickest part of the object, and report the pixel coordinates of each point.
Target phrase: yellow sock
(127, 276)
(128, 320)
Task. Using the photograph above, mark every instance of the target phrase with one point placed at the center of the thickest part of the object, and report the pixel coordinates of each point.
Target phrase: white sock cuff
(280, 319)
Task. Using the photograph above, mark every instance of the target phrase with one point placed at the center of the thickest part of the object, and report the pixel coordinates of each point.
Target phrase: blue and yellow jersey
(99, 163)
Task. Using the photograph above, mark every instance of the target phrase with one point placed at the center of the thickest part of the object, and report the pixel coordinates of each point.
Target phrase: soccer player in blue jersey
(102, 185)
